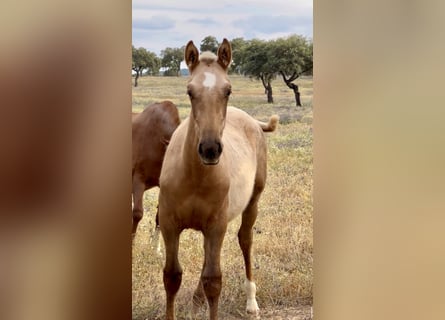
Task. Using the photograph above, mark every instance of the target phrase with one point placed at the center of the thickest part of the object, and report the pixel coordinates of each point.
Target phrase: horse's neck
(199, 176)
(190, 152)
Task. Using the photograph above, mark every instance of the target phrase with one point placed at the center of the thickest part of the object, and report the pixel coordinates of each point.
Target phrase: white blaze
(209, 80)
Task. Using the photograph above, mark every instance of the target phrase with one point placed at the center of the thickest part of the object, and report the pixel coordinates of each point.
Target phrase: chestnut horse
(213, 170)
(152, 129)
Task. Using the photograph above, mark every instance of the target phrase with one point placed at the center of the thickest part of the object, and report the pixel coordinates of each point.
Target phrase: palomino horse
(214, 169)
(152, 129)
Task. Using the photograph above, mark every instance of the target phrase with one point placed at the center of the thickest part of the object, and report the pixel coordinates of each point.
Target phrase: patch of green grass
(283, 246)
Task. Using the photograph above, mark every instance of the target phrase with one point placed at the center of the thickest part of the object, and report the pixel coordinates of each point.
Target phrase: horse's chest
(202, 201)
(198, 209)
(211, 203)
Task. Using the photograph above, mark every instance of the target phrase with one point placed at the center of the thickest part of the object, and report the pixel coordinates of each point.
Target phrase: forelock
(207, 57)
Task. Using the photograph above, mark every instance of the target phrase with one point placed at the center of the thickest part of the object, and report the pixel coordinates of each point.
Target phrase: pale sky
(158, 24)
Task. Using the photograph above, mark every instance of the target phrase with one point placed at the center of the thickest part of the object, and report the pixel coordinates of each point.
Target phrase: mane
(208, 57)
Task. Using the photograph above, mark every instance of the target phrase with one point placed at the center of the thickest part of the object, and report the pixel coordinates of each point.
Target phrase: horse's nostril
(219, 147)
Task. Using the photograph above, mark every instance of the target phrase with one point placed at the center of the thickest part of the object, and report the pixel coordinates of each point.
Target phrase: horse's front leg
(211, 277)
(172, 268)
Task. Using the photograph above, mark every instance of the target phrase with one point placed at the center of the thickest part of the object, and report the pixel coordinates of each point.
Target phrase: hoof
(252, 307)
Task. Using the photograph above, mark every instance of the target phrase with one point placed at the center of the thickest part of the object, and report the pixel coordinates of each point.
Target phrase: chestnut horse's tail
(271, 125)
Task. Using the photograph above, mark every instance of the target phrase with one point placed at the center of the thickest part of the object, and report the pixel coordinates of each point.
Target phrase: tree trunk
(136, 78)
(297, 94)
(267, 89)
(293, 86)
(269, 93)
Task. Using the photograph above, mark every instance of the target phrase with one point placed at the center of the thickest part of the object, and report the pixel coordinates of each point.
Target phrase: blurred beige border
(379, 160)
(65, 182)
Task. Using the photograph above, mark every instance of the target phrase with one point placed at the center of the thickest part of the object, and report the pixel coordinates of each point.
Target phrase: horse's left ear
(225, 54)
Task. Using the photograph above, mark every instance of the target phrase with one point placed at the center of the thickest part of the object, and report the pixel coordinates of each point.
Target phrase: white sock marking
(209, 80)
(252, 305)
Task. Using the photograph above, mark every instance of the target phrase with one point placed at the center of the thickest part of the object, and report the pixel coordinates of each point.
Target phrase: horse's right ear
(191, 56)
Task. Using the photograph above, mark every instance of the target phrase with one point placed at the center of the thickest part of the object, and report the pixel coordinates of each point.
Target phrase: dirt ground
(295, 313)
(303, 312)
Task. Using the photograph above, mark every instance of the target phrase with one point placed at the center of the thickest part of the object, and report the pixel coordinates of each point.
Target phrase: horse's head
(209, 90)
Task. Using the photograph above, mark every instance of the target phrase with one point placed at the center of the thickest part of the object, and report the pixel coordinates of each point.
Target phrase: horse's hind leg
(138, 209)
(245, 237)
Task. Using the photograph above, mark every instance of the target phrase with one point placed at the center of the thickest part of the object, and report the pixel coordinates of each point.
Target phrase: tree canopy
(209, 43)
(238, 45)
(171, 60)
(288, 57)
(143, 59)
(292, 58)
(256, 62)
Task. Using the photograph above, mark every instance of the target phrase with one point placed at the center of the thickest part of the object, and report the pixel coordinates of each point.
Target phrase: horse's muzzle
(209, 151)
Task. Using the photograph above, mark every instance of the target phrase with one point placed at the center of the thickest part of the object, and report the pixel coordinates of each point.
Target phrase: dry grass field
(283, 246)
